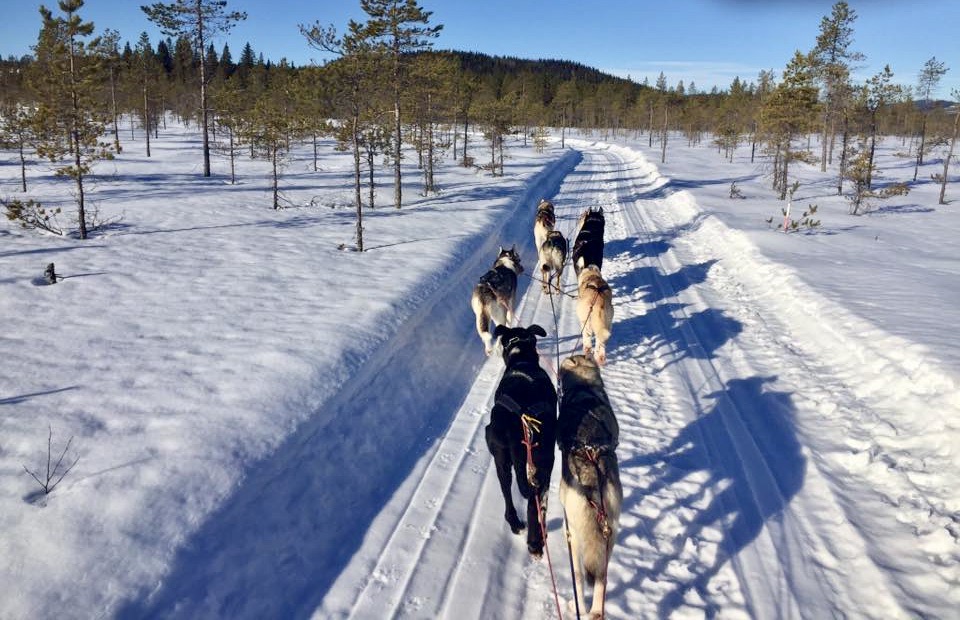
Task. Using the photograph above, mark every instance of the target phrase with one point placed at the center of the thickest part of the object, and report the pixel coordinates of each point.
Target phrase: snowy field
(269, 426)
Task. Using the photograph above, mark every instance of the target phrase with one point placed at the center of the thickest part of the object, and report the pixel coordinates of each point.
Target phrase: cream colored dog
(595, 311)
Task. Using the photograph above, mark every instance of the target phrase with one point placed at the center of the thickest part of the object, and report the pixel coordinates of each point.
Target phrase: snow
(269, 426)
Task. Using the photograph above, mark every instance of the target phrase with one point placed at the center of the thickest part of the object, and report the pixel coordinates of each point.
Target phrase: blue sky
(708, 42)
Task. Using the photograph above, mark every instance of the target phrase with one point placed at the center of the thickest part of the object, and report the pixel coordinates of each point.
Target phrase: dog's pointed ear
(500, 251)
(537, 330)
(499, 330)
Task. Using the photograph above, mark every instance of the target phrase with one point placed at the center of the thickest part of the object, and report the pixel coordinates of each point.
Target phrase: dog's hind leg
(482, 323)
(502, 461)
(572, 512)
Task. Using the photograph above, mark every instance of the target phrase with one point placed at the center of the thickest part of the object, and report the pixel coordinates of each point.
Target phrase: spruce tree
(70, 119)
(198, 21)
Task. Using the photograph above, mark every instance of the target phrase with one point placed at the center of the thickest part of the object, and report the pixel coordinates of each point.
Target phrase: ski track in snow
(755, 438)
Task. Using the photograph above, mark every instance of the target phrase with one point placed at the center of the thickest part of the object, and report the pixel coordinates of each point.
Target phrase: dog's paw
(518, 527)
(572, 606)
(536, 550)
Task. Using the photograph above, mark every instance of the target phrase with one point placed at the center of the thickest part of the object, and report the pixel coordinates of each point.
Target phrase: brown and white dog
(590, 489)
(595, 311)
(494, 295)
(553, 255)
(544, 222)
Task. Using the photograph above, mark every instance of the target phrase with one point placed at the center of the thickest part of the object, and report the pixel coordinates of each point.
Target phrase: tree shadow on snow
(750, 465)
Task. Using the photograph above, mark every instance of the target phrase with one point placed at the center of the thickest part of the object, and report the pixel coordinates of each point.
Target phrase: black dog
(588, 245)
(525, 398)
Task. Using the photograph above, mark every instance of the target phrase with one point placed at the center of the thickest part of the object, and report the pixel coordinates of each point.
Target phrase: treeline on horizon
(386, 86)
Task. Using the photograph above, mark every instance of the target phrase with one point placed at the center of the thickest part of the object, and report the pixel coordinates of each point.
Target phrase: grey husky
(494, 295)
(590, 490)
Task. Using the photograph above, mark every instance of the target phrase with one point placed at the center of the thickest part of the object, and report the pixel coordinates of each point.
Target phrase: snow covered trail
(774, 462)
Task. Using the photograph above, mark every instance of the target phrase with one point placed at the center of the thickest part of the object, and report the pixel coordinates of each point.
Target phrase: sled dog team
(524, 423)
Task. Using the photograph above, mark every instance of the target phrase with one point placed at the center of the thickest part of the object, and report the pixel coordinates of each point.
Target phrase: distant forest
(77, 97)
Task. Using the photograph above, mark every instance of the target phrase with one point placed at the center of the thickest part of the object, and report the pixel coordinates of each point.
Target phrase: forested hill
(561, 70)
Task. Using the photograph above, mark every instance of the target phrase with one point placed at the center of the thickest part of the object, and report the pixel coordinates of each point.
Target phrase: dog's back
(590, 489)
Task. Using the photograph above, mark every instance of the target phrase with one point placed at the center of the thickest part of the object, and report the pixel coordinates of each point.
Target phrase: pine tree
(110, 53)
(399, 28)
(927, 85)
(199, 21)
(787, 113)
(272, 124)
(69, 119)
(564, 102)
(955, 93)
(355, 78)
(831, 59)
(146, 69)
(880, 92)
(16, 131)
(430, 96)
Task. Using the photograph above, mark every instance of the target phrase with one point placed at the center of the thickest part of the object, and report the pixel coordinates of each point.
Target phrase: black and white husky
(525, 397)
(553, 254)
(495, 294)
(590, 491)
